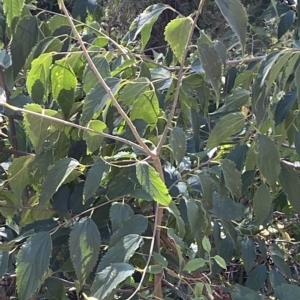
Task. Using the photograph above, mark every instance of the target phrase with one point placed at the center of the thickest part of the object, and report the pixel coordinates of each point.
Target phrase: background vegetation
(149, 149)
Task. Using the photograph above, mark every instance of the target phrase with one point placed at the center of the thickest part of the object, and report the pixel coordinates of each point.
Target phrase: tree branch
(103, 83)
(67, 123)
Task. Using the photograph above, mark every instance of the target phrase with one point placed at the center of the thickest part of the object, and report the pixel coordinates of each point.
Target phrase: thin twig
(67, 123)
(179, 80)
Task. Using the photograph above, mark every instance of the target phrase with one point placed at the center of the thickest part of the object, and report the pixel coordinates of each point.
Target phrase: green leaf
(240, 292)
(257, 278)
(178, 143)
(297, 140)
(145, 21)
(177, 33)
(12, 9)
(55, 289)
(25, 38)
(235, 101)
(154, 269)
(136, 224)
(32, 264)
(282, 266)
(94, 139)
(133, 90)
(220, 261)
(276, 278)
(97, 98)
(262, 203)
(233, 179)
(227, 126)
(108, 279)
(93, 179)
(236, 16)
(38, 76)
(297, 82)
(18, 175)
(248, 253)
(206, 244)
(290, 183)
(268, 159)
(195, 217)
(283, 107)
(212, 66)
(4, 256)
(146, 107)
(37, 127)
(227, 209)
(208, 189)
(287, 291)
(194, 264)
(63, 82)
(151, 182)
(55, 178)
(89, 78)
(84, 245)
(160, 259)
(120, 252)
(285, 23)
(119, 212)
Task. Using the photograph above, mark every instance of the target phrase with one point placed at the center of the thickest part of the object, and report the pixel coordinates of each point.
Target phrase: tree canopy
(149, 149)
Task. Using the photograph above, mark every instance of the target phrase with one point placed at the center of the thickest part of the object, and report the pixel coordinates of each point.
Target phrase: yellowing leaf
(151, 182)
(177, 34)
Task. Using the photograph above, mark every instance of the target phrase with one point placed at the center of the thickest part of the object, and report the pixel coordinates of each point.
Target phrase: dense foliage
(149, 150)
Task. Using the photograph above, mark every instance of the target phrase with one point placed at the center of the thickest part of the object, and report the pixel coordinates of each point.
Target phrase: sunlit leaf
(94, 139)
(146, 107)
(19, 175)
(38, 76)
(55, 178)
(177, 33)
(12, 9)
(151, 182)
(84, 245)
(108, 279)
(64, 82)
